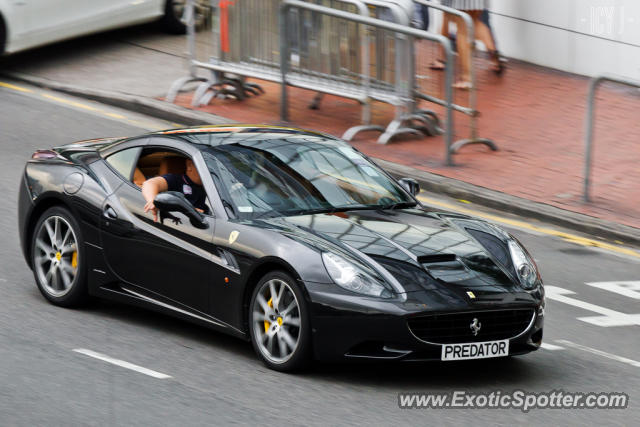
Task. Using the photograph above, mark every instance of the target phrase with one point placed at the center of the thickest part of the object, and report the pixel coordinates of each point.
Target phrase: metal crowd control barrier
(404, 97)
(593, 86)
(404, 121)
(189, 18)
(471, 110)
(391, 80)
(313, 44)
(251, 50)
(246, 42)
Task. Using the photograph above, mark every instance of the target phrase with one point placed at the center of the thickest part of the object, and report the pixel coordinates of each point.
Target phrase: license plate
(475, 350)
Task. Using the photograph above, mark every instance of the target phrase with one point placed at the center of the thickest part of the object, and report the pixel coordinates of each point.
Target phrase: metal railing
(339, 50)
(189, 19)
(403, 95)
(243, 43)
(471, 110)
(588, 158)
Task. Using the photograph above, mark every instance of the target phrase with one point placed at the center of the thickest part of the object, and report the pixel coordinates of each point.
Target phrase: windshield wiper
(271, 214)
(309, 211)
(329, 210)
(399, 205)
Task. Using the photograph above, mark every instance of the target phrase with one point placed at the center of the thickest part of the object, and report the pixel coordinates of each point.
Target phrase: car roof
(236, 129)
(218, 135)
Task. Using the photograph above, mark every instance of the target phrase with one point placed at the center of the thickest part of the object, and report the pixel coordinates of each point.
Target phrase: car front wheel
(278, 323)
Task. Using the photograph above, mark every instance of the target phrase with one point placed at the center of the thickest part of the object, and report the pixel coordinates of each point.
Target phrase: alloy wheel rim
(56, 256)
(276, 321)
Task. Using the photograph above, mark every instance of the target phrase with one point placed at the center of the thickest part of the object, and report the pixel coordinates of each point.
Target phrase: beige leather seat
(173, 165)
(138, 177)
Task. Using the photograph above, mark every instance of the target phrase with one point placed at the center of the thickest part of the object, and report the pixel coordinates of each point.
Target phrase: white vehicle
(25, 24)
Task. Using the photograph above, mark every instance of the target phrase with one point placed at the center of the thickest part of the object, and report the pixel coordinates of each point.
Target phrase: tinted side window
(124, 161)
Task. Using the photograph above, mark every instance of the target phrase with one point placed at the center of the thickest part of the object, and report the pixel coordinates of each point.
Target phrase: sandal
(438, 65)
(464, 85)
(500, 65)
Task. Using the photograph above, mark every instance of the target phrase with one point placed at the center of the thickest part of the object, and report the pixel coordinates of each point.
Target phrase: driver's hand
(151, 207)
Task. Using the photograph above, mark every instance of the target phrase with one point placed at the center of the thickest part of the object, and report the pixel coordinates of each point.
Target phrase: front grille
(452, 328)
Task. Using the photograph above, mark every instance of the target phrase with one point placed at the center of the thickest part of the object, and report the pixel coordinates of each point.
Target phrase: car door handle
(110, 213)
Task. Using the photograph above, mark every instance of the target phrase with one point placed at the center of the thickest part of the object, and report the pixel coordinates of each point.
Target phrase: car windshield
(277, 174)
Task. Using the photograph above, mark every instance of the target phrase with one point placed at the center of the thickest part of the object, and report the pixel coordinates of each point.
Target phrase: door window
(124, 161)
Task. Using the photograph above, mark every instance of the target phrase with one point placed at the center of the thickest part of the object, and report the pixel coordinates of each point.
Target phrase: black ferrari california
(291, 239)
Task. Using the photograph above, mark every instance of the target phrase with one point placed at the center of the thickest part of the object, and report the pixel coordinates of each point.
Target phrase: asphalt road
(217, 379)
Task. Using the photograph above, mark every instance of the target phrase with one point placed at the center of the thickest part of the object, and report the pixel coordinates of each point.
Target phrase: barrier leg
(474, 138)
(178, 85)
(353, 131)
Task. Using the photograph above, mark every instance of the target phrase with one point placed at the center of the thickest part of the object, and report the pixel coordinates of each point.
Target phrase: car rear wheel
(57, 258)
(278, 323)
(3, 35)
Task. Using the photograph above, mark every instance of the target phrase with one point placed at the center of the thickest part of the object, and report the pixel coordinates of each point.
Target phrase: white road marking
(551, 347)
(628, 289)
(3, 280)
(600, 353)
(608, 317)
(121, 363)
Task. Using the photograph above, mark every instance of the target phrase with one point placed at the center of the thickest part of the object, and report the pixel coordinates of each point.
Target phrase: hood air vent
(436, 258)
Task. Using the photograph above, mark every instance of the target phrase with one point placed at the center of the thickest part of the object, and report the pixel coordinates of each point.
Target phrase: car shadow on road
(504, 372)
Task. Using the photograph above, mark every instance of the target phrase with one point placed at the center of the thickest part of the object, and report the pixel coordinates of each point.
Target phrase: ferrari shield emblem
(233, 236)
(471, 295)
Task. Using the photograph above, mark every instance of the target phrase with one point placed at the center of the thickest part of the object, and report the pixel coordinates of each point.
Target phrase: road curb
(593, 226)
(139, 104)
(597, 227)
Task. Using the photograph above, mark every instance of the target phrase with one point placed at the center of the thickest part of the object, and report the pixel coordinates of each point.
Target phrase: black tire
(3, 35)
(300, 357)
(76, 293)
(171, 22)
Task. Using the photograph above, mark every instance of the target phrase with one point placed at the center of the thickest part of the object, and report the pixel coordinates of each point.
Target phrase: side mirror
(411, 185)
(173, 201)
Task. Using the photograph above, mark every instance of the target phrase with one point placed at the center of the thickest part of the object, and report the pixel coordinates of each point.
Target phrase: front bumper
(345, 327)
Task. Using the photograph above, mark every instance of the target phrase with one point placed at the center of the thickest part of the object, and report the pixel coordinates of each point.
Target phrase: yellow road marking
(584, 241)
(14, 87)
(72, 103)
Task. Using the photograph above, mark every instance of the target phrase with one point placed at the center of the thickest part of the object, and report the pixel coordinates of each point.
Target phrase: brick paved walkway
(536, 116)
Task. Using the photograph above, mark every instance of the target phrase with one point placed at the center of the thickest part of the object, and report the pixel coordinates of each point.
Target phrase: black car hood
(422, 250)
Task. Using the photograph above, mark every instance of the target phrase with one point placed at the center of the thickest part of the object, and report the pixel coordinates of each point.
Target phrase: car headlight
(526, 269)
(353, 278)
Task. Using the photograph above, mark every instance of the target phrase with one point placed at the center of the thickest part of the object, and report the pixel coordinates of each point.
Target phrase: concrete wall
(581, 36)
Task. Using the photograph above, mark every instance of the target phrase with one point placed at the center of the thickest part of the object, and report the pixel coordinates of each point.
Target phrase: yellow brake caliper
(74, 259)
(266, 323)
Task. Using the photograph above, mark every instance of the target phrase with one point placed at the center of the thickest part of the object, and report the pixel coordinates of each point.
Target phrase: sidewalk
(535, 115)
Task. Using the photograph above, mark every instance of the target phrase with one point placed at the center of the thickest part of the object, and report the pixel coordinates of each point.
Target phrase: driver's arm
(150, 189)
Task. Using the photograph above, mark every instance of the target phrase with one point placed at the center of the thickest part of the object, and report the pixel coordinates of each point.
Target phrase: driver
(188, 184)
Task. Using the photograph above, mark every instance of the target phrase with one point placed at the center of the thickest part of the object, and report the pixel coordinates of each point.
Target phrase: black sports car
(307, 248)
